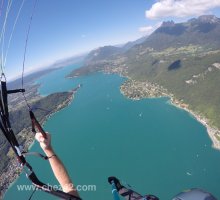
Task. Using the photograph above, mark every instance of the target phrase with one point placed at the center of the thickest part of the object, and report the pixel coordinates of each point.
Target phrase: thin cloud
(181, 8)
(147, 30)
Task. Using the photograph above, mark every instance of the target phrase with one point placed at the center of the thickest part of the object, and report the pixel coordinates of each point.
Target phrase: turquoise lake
(151, 145)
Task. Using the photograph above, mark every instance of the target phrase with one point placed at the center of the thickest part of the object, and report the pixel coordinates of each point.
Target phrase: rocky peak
(211, 19)
(168, 23)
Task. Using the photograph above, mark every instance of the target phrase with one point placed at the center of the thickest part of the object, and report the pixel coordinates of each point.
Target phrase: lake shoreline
(100, 108)
(137, 90)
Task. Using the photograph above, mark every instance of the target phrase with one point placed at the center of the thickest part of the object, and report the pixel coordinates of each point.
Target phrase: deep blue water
(152, 145)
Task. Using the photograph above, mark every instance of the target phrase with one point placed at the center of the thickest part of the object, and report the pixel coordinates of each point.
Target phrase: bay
(152, 145)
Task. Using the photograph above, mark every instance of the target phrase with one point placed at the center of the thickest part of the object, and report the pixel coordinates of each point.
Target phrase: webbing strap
(15, 91)
(5, 123)
(50, 189)
(4, 99)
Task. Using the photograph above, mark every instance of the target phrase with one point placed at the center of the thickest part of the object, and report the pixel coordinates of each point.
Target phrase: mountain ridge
(195, 31)
(181, 57)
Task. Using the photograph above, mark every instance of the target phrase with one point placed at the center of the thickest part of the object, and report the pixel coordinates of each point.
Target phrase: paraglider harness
(127, 193)
(6, 129)
(130, 194)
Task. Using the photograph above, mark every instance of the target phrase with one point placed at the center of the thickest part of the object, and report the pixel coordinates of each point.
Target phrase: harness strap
(15, 91)
(50, 189)
(5, 123)
(127, 193)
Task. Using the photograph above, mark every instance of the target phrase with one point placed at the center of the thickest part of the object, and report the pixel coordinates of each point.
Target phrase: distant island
(178, 60)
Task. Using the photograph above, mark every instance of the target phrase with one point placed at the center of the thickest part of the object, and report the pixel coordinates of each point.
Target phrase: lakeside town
(137, 90)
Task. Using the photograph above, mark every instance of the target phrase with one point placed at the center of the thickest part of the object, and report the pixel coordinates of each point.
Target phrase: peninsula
(45, 107)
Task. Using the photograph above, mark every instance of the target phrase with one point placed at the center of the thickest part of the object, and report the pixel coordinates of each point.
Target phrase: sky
(64, 28)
